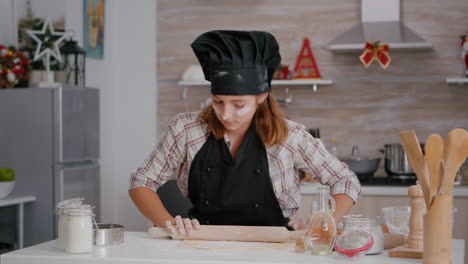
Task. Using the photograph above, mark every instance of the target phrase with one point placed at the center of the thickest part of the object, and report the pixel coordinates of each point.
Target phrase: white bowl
(6, 188)
(193, 73)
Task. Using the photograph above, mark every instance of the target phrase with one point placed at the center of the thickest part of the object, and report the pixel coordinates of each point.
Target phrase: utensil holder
(438, 231)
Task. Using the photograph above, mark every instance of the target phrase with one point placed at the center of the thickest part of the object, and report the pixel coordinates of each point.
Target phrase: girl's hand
(299, 222)
(182, 226)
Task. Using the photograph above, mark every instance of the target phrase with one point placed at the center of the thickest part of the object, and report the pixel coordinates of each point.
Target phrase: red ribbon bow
(376, 52)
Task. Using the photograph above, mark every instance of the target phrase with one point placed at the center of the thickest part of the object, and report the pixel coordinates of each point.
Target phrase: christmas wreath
(14, 67)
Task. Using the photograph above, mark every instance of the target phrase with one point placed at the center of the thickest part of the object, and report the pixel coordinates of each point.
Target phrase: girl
(239, 159)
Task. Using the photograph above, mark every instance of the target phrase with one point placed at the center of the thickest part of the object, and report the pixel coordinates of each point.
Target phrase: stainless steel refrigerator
(50, 137)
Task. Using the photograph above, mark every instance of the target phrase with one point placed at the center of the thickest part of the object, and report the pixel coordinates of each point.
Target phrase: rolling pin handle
(294, 235)
(158, 232)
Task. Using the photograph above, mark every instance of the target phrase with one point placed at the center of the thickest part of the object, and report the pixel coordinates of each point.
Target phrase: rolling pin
(233, 233)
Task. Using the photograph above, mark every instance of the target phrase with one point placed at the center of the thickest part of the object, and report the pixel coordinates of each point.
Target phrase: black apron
(227, 191)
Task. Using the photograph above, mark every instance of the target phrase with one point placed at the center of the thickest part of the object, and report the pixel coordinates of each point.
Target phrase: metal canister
(108, 234)
(396, 161)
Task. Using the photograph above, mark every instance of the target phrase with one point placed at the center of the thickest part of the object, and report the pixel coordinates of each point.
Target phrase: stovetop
(387, 181)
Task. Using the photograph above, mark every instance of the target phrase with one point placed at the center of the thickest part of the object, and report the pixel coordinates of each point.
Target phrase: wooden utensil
(233, 233)
(455, 153)
(434, 149)
(414, 248)
(415, 157)
(438, 231)
(441, 178)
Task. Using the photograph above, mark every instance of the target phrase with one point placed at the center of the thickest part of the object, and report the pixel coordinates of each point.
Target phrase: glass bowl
(397, 219)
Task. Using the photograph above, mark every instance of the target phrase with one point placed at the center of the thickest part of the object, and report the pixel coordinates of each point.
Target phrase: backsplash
(366, 106)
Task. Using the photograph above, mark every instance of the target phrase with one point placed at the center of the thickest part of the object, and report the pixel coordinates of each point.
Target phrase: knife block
(414, 248)
(438, 231)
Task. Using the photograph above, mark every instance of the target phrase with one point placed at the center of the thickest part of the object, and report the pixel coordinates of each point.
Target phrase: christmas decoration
(73, 63)
(14, 67)
(282, 72)
(464, 44)
(48, 41)
(306, 67)
(376, 51)
(25, 23)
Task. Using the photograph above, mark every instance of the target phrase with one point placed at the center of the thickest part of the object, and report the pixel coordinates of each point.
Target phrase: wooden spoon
(455, 153)
(412, 148)
(434, 149)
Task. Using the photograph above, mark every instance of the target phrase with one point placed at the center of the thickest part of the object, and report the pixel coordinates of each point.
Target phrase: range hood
(380, 21)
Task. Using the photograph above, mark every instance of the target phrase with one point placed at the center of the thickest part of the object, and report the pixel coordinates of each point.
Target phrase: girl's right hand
(183, 226)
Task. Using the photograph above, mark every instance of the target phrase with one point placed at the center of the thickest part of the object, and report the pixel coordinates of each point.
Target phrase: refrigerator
(50, 138)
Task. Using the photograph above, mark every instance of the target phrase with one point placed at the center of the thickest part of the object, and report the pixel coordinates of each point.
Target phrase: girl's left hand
(300, 222)
(182, 225)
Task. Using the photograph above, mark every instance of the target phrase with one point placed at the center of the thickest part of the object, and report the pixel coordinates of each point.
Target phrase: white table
(139, 248)
(19, 201)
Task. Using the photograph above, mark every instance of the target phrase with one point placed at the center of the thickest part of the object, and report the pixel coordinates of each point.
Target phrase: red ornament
(377, 52)
(306, 67)
(286, 72)
(464, 44)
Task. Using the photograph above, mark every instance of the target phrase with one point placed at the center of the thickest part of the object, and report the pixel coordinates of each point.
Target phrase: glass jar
(370, 225)
(322, 228)
(78, 229)
(354, 243)
(71, 203)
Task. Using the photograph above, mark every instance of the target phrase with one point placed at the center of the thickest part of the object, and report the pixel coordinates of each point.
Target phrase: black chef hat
(237, 62)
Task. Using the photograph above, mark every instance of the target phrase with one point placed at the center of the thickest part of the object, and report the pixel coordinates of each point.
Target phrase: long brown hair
(269, 122)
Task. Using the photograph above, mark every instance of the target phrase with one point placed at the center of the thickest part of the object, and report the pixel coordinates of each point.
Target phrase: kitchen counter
(389, 190)
(139, 248)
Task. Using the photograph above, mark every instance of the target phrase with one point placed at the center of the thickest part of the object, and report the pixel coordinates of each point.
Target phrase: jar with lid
(71, 203)
(370, 225)
(354, 243)
(78, 229)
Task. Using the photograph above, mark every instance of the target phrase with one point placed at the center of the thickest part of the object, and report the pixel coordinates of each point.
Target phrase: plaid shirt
(172, 157)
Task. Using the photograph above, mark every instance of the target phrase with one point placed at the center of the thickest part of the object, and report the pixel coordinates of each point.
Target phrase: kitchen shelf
(298, 82)
(273, 82)
(286, 83)
(18, 201)
(457, 80)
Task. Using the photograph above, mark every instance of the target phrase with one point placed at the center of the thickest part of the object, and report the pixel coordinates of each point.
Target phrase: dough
(233, 245)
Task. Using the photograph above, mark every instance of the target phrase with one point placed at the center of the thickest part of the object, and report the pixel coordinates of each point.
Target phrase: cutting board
(233, 233)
